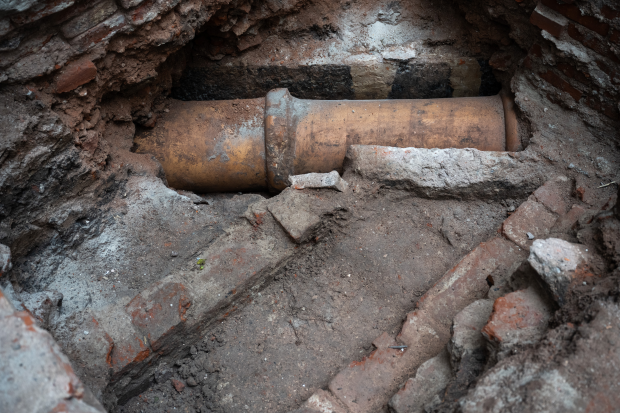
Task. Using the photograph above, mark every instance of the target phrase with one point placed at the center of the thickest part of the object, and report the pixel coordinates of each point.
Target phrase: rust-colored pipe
(253, 144)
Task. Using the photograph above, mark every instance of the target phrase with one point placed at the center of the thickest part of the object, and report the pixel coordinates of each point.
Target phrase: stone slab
(441, 173)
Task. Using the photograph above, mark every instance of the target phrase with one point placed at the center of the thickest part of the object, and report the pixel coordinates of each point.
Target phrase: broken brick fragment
(76, 74)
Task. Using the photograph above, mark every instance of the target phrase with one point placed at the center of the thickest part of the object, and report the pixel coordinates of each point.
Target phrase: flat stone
(467, 328)
(294, 216)
(5, 259)
(330, 180)
(431, 378)
(436, 173)
(557, 261)
(519, 318)
(532, 217)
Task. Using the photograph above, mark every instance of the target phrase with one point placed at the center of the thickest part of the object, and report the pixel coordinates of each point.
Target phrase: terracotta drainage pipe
(254, 144)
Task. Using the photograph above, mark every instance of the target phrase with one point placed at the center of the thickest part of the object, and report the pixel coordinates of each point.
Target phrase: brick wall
(577, 58)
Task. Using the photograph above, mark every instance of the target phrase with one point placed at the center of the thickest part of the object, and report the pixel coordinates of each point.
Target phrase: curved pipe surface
(254, 144)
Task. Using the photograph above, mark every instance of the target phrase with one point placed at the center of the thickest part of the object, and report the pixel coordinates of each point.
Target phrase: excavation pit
(431, 275)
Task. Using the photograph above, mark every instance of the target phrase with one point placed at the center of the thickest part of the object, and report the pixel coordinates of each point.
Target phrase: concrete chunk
(331, 180)
(556, 261)
(441, 173)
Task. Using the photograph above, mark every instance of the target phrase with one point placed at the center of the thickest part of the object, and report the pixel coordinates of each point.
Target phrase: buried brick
(531, 217)
(158, 310)
(76, 74)
(366, 386)
(519, 318)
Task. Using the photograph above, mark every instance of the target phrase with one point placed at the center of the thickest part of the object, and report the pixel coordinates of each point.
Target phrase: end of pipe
(513, 143)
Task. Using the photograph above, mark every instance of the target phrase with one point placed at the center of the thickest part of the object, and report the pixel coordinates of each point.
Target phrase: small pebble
(86, 332)
(530, 235)
(174, 254)
(571, 166)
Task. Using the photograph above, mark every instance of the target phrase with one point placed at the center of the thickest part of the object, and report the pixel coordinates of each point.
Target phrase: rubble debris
(518, 319)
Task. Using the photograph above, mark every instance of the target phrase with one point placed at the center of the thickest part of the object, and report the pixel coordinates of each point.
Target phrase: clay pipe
(255, 144)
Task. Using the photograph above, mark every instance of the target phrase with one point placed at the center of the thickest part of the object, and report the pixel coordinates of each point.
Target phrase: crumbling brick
(548, 21)
(552, 193)
(573, 13)
(531, 217)
(518, 318)
(591, 41)
(76, 74)
(555, 80)
(159, 310)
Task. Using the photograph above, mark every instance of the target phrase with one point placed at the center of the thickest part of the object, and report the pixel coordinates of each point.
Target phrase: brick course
(556, 80)
(573, 13)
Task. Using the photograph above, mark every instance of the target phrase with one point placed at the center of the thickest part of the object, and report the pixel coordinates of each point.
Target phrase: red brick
(609, 13)
(552, 194)
(519, 317)
(158, 311)
(608, 109)
(531, 217)
(74, 75)
(100, 33)
(367, 385)
(466, 282)
(573, 13)
(536, 50)
(40, 11)
(545, 20)
(178, 385)
(591, 41)
(613, 75)
(572, 72)
(614, 36)
(566, 222)
(555, 80)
